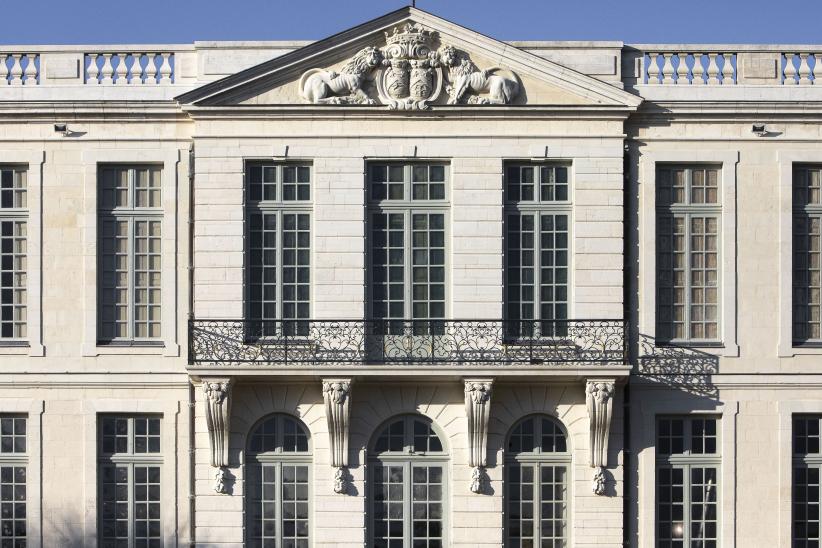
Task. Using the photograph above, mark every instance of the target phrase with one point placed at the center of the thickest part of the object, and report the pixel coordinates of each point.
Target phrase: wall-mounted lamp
(62, 128)
(759, 130)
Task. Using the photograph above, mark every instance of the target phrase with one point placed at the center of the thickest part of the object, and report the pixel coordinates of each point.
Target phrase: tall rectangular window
(279, 245)
(130, 466)
(688, 224)
(13, 497)
(13, 268)
(407, 219)
(807, 238)
(537, 243)
(687, 476)
(130, 242)
(807, 464)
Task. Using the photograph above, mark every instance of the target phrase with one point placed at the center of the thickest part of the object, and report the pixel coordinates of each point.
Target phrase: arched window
(407, 467)
(278, 473)
(537, 468)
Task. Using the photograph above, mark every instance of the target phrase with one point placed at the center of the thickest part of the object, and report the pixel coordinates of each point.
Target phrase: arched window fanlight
(537, 468)
(278, 472)
(407, 473)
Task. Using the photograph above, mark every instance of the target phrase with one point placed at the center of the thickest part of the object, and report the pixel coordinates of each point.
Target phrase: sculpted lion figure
(465, 77)
(345, 87)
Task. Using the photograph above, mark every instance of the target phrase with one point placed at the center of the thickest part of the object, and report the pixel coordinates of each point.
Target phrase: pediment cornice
(410, 60)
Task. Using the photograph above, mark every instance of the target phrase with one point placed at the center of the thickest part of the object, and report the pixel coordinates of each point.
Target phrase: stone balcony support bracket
(477, 410)
(337, 398)
(217, 393)
(599, 395)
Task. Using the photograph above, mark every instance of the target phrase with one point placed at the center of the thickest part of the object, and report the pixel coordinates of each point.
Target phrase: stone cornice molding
(217, 392)
(477, 410)
(337, 398)
(599, 396)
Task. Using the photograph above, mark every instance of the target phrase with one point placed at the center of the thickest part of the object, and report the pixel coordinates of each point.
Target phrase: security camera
(759, 130)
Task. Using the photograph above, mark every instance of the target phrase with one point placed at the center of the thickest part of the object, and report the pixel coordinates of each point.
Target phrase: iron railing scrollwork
(315, 342)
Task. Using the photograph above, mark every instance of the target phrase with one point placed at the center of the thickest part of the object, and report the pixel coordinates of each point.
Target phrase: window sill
(159, 348)
(689, 344)
(15, 348)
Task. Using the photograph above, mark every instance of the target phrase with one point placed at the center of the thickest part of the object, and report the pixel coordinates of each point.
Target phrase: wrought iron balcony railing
(375, 342)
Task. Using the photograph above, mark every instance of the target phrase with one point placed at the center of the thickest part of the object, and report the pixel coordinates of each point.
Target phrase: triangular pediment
(409, 60)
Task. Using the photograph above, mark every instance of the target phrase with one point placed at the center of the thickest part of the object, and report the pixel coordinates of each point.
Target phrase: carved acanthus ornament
(477, 410)
(599, 395)
(218, 414)
(410, 74)
(337, 398)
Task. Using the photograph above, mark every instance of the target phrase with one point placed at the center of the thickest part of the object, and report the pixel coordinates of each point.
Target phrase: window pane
(687, 254)
(537, 244)
(807, 276)
(130, 252)
(671, 526)
(129, 510)
(388, 265)
(13, 278)
(427, 505)
(388, 505)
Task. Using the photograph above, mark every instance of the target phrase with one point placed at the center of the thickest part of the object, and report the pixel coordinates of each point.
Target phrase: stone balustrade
(689, 68)
(801, 68)
(721, 65)
(163, 71)
(19, 69)
(129, 68)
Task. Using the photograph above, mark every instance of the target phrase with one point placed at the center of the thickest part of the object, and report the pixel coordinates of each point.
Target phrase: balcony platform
(390, 348)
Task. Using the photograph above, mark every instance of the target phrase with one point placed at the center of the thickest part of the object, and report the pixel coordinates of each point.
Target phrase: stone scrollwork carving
(491, 86)
(411, 74)
(218, 414)
(599, 394)
(343, 88)
(477, 409)
(337, 396)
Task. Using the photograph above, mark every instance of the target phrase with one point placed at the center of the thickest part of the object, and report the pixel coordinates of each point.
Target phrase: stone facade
(407, 88)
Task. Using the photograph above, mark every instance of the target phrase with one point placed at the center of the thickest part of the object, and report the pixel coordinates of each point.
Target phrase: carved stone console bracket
(218, 414)
(337, 397)
(477, 409)
(599, 395)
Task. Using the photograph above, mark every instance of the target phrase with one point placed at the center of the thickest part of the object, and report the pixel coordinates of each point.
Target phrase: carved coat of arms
(411, 78)
(410, 74)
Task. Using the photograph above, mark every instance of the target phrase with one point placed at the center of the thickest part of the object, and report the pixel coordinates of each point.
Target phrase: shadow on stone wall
(678, 367)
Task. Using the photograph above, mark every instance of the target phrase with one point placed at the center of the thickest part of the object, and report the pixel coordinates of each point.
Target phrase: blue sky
(632, 21)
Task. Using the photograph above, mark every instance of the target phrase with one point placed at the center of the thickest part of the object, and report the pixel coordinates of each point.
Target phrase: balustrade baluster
(30, 72)
(698, 71)
(16, 70)
(804, 70)
(682, 69)
(120, 70)
(653, 68)
(136, 69)
(4, 69)
(667, 69)
(165, 68)
(790, 70)
(108, 70)
(713, 70)
(727, 69)
(93, 70)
